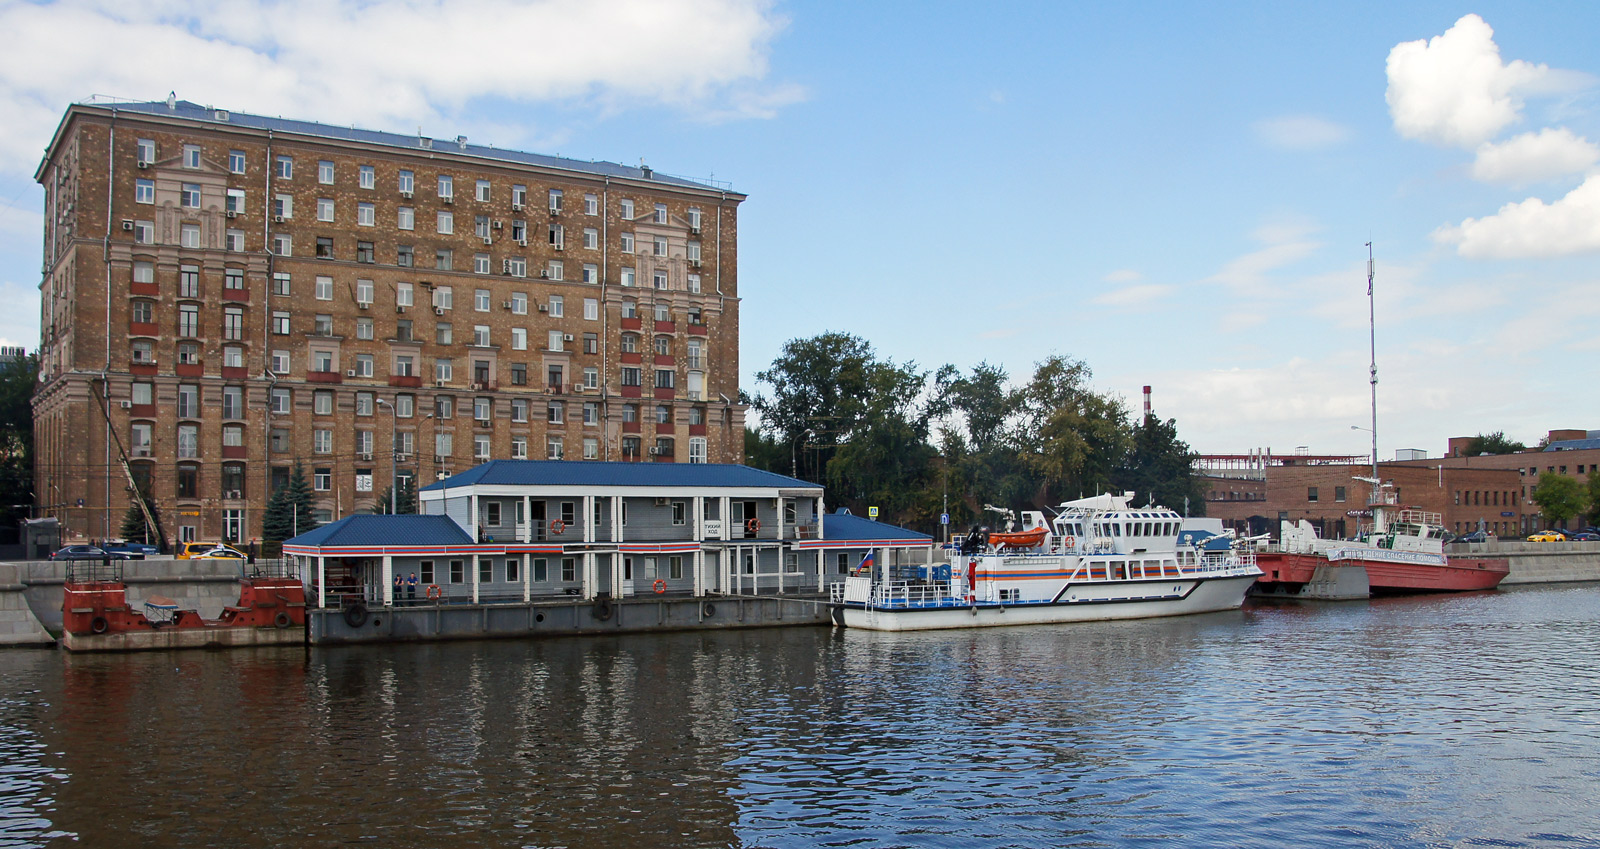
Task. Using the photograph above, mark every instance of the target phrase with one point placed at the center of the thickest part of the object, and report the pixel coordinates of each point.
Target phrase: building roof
(191, 111)
(368, 529)
(1573, 445)
(842, 526)
(586, 473)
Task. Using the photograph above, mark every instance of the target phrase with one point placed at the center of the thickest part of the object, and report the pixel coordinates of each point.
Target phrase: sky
(1178, 194)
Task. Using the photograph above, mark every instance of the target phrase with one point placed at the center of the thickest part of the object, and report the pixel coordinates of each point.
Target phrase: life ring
(602, 609)
(753, 525)
(282, 620)
(558, 526)
(659, 586)
(709, 609)
(434, 592)
(99, 625)
(1069, 542)
(355, 615)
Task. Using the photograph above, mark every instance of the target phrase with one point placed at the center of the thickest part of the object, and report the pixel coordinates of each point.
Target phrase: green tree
(17, 382)
(135, 529)
(405, 498)
(887, 461)
(1592, 493)
(1160, 468)
(288, 511)
(1073, 439)
(1492, 443)
(763, 451)
(819, 392)
(1559, 497)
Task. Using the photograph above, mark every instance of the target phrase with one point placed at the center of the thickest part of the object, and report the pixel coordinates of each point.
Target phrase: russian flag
(866, 563)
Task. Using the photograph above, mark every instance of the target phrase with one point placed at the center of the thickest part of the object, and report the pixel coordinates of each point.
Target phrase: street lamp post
(394, 456)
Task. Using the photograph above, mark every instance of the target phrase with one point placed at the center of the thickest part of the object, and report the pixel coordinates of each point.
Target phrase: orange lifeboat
(1023, 539)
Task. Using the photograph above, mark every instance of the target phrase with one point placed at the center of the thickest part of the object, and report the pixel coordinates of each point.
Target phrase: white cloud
(388, 64)
(1453, 89)
(1532, 228)
(1532, 157)
(1287, 242)
(1134, 296)
(1123, 275)
(1301, 132)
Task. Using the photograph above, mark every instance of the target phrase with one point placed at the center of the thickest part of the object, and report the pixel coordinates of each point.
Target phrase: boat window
(1116, 529)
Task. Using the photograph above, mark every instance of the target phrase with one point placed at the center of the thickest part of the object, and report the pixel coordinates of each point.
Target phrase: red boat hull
(1459, 574)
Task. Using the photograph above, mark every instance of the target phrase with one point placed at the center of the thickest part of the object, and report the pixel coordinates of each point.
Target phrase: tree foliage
(1559, 497)
(405, 498)
(1491, 443)
(288, 512)
(913, 443)
(17, 382)
(135, 528)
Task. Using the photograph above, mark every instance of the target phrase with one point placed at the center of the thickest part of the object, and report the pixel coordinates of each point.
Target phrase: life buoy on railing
(558, 526)
(282, 620)
(1069, 542)
(753, 525)
(435, 592)
(659, 586)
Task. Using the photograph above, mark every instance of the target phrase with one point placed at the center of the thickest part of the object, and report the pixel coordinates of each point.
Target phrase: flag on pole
(866, 563)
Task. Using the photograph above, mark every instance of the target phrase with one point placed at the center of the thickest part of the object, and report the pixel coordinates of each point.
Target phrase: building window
(144, 232)
(660, 279)
(663, 345)
(447, 186)
(627, 209)
(366, 215)
(445, 222)
(480, 335)
(519, 374)
(443, 370)
(322, 479)
(1311, 493)
(369, 177)
(280, 323)
(188, 401)
(443, 259)
(591, 377)
(233, 323)
(519, 448)
(188, 482)
(661, 250)
(188, 320)
(233, 240)
(553, 449)
(627, 243)
(146, 151)
(480, 300)
(144, 191)
(189, 235)
(664, 378)
(480, 263)
(553, 270)
(324, 247)
(631, 376)
(480, 447)
(519, 409)
(483, 191)
(406, 183)
(191, 156)
(697, 449)
(325, 172)
(482, 409)
(519, 339)
(285, 168)
(444, 444)
(556, 413)
(1338, 493)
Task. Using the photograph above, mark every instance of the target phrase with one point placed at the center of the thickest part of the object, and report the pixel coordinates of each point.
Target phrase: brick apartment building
(224, 295)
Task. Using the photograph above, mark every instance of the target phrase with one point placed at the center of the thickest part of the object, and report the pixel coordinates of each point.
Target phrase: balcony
(137, 288)
(635, 323)
(194, 369)
(235, 372)
(630, 427)
(412, 381)
(235, 452)
(142, 367)
(632, 357)
(632, 391)
(697, 329)
(665, 428)
(697, 429)
(664, 393)
(664, 359)
(143, 328)
(240, 296)
(326, 377)
(666, 327)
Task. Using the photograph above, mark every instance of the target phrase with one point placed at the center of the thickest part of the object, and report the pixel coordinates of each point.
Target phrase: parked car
(1547, 536)
(220, 552)
(1585, 536)
(87, 552)
(1475, 536)
(192, 550)
(134, 550)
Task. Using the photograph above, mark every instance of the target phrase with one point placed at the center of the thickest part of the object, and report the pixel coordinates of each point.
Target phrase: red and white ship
(1399, 553)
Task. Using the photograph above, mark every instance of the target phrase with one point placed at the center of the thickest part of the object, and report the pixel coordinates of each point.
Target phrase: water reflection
(1423, 721)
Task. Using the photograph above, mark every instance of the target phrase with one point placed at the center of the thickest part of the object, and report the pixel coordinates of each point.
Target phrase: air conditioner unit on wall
(127, 224)
(350, 373)
(448, 199)
(406, 195)
(438, 310)
(127, 405)
(232, 494)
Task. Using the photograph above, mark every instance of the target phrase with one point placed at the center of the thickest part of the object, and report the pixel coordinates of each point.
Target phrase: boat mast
(1376, 503)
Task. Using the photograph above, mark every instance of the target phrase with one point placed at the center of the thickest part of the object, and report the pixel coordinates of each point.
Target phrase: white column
(616, 518)
(472, 562)
(778, 523)
(388, 578)
(591, 574)
(698, 562)
(588, 518)
(322, 581)
(527, 585)
(726, 504)
(527, 518)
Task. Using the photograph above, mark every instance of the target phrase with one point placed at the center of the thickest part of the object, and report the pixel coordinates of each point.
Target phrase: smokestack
(1147, 402)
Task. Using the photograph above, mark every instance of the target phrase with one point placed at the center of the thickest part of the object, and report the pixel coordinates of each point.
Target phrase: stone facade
(227, 295)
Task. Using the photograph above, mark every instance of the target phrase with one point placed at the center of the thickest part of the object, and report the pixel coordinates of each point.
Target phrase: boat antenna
(1372, 326)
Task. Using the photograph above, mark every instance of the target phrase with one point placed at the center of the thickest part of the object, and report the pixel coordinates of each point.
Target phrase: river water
(1430, 721)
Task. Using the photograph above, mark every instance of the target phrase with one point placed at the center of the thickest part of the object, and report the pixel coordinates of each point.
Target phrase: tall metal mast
(1372, 325)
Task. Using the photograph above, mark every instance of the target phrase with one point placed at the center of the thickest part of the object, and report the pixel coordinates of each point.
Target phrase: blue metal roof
(191, 111)
(368, 529)
(1573, 445)
(586, 473)
(844, 526)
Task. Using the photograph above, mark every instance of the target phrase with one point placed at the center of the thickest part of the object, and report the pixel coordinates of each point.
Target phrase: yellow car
(191, 550)
(220, 552)
(1547, 536)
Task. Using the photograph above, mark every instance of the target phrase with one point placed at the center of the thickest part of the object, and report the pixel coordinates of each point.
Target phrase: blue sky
(1177, 194)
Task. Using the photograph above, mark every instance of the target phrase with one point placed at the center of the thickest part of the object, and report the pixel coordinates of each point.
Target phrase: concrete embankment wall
(1540, 562)
(558, 618)
(18, 625)
(36, 586)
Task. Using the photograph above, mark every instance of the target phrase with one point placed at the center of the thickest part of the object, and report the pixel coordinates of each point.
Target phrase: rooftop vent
(461, 142)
